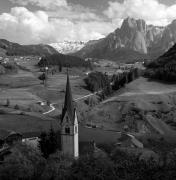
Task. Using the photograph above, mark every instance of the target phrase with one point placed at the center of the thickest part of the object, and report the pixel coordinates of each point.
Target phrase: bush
(7, 102)
(23, 163)
(49, 142)
(11, 67)
(2, 111)
(91, 101)
(2, 70)
(16, 107)
(42, 77)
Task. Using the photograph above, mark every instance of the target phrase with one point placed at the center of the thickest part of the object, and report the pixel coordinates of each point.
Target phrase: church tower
(69, 125)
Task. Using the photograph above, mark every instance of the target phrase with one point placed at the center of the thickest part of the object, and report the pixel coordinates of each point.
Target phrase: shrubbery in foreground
(28, 164)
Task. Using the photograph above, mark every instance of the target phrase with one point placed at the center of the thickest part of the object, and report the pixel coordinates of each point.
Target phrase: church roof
(68, 104)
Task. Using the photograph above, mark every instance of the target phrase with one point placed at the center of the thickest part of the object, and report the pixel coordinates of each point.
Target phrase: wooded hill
(14, 49)
(163, 68)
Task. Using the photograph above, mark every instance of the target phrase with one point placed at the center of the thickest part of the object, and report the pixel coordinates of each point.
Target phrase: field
(132, 106)
(22, 93)
(97, 135)
(25, 124)
(129, 107)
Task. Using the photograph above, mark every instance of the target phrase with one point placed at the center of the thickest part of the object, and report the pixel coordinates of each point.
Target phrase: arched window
(67, 130)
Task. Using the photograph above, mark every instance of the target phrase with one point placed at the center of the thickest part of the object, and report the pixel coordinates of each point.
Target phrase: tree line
(163, 68)
(164, 73)
(98, 81)
(28, 164)
(64, 61)
(121, 79)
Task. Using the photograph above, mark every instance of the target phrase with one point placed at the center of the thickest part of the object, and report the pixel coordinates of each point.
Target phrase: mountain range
(133, 40)
(14, 49)
(67, 47)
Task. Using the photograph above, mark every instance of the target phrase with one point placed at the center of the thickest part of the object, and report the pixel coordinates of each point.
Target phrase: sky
(51, 21)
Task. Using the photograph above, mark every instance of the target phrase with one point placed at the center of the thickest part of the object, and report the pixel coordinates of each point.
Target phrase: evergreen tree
(60, 67)
(49, 142)
(42, 77)
(52, 137)
(8, 102)
(43, 144)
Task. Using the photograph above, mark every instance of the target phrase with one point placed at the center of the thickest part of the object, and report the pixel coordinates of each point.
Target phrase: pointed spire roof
(68, 104)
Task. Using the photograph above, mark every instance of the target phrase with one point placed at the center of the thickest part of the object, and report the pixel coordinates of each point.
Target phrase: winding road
(83, 97)
(51, 110)
(86, 96)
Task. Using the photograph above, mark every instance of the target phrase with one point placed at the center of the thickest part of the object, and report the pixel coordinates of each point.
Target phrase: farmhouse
(9, 137)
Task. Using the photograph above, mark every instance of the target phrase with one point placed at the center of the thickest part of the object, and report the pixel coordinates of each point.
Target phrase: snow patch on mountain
(67, 47)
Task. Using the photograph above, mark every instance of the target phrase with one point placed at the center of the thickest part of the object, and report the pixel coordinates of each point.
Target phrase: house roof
(68, 105)
(6, 133)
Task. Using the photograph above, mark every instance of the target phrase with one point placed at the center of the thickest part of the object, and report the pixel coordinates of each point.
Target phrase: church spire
(68, 104)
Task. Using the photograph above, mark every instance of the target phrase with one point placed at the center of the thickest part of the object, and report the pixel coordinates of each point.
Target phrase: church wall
(67, 144)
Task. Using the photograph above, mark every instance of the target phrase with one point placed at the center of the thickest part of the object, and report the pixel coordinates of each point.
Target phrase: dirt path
(86, 96)
(76, 100)
(51, 110)
(149, 92)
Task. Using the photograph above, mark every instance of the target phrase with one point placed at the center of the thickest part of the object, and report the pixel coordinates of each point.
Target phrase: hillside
(135, 39)
(14, 49)
(163, 68)
(142, 107)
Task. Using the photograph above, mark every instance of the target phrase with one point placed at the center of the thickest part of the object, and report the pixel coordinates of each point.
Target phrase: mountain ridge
(15, 49)
(145, 41)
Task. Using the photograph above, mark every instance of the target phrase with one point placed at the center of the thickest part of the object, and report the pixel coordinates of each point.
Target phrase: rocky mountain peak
(130, 24)
(135, 38)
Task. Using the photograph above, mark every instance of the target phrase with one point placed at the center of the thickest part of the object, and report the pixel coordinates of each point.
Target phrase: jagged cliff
(133, 40)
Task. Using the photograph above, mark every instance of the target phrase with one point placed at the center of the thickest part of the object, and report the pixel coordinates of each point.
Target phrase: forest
(27, 163)
(63, 60)
(97, 81)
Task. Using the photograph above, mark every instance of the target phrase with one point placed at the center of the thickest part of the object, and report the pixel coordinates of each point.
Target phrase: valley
(116, 98)
(28, 97)
(87, 89)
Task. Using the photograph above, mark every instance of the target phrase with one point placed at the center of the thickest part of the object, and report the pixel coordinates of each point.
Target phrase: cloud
(75, 13)
(48, 4)
(150, 10)
(26, 27)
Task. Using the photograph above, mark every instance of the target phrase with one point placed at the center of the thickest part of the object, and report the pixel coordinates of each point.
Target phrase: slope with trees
(14, 49)
(163, 68)
(27, 163)
(63, 61)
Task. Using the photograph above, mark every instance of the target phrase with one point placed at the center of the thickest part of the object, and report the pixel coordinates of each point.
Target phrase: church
(76, 140)
(69, 125)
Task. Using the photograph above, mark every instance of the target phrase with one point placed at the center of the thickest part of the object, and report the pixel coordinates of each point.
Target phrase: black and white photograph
(87, 89)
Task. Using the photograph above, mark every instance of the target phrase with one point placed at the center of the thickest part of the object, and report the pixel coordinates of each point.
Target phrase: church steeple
(68, 104)
(69, 125)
